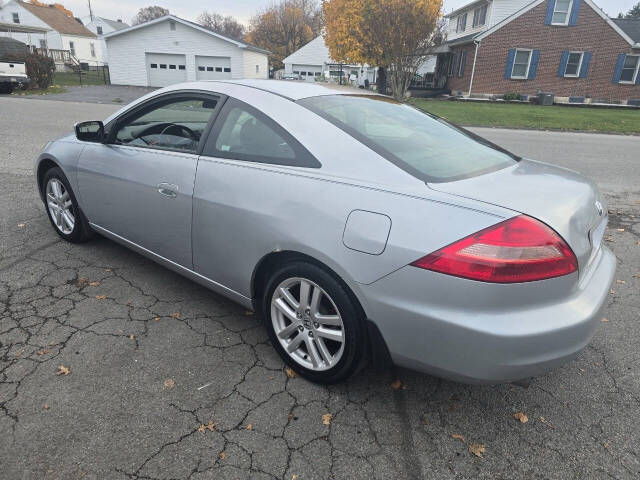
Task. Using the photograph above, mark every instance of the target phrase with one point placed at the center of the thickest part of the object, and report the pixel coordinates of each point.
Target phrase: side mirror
(92, 131)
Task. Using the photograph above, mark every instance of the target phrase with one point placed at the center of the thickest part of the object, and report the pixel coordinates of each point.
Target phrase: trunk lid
(563, 199)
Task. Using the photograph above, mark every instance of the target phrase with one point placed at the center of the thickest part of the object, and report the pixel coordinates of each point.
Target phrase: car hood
(563, 199)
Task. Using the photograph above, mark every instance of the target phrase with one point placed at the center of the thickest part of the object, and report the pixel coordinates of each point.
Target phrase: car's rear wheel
(62, 208)
(313, 322)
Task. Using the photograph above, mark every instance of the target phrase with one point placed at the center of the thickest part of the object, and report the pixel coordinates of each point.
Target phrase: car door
(238, 182)
(139, 184)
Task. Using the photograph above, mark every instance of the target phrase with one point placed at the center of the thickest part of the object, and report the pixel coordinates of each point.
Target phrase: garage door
(166, 69)
(213, 68)
(308, 73)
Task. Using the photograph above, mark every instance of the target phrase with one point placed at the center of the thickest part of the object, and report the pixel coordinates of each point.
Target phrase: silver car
(360, 228)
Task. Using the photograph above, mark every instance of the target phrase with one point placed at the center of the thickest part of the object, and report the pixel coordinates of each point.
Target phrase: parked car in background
(12, 75)
(356, 225)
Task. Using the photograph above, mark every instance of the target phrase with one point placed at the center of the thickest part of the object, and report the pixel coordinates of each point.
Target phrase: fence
(87, 73)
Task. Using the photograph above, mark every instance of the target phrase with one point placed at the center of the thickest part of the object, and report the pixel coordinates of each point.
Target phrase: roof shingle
(58, 20)
(630, 26)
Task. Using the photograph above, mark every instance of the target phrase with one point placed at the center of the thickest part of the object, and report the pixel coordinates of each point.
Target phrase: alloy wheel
(60, 206)
(307, 324)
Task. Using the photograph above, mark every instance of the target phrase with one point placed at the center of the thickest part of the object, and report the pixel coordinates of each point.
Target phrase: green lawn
(90, 77)
(534, 116)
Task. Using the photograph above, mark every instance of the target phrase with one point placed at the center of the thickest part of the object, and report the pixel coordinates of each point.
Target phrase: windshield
(419, 143)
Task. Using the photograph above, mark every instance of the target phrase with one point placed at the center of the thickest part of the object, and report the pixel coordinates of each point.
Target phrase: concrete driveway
(168, 380)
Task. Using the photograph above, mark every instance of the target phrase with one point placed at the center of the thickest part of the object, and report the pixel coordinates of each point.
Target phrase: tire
(6, 88)
(304, 327)
(80, 231)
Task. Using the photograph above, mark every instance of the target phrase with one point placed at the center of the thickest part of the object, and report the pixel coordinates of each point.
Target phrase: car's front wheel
(313, 322)
(62, 207)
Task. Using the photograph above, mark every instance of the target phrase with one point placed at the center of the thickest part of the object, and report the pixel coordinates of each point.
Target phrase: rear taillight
(520, 249)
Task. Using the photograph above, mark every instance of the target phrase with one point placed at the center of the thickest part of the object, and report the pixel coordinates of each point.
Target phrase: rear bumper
(476, 332)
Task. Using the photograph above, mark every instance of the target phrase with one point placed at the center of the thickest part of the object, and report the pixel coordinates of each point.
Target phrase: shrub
(512, 96)
(40, 68)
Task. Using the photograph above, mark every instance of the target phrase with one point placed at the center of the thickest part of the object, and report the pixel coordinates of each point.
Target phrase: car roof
(293, 90)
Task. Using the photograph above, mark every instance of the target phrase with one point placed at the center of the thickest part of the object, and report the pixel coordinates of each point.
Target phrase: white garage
(171, 50)
(165, 69)
(213, 68)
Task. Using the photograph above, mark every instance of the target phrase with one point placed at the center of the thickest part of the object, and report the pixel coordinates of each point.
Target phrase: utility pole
(90, 11)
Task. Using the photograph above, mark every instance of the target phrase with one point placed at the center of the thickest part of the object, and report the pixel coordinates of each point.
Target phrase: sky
(243, 10)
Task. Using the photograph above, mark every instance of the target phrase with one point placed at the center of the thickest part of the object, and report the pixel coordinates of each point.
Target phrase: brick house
(568, 47)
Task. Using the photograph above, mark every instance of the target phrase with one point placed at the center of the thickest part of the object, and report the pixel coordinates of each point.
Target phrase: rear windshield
(423, 145)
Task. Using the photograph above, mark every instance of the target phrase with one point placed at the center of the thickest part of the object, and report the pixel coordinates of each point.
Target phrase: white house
(480, 15)
(101, 26)
(171, 50)
(67, 41)
(313, 61)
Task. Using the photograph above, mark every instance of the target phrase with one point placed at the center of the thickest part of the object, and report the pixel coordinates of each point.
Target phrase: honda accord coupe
(360, 228)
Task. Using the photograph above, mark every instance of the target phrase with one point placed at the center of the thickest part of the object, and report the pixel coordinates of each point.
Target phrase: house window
(461, 24)
(154, 65)
(304, 74)
(209, 69)
(172, 67)
(452, 65)
(201, 69)
(93, 49)
(480, 16)
(561, 12)
(99, 30)
(72, 48)
(218, 69)
(521, 64)
(295, 72)
(163, 66)
(257, 68)
(630, 69)
(43, 43)
(172, 25)
(227, 69)
(181, 67)
(460, 66)
(16, 18)
(574, 62)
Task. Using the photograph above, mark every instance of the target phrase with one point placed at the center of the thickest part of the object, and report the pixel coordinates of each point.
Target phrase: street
(169, 380)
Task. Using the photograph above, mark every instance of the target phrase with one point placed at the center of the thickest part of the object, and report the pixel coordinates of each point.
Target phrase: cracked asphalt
(170, 381)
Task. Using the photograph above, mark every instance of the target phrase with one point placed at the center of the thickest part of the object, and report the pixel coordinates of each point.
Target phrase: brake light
(517, 250)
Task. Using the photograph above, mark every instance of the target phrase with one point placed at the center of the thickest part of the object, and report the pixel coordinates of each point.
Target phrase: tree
(227, 26)
(147, 14)
(633, 13)
(284, 27)
(367, 31)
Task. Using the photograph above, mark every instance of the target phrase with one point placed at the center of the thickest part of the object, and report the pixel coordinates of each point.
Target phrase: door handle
(168, 190)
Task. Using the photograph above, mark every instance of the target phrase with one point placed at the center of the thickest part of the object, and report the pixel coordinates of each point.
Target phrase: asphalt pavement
(164, 379)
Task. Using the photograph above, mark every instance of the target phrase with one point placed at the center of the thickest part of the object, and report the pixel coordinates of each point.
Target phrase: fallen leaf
(82, 282)
(94, 284)
(606, 445)
(548, 424)
(396, 384)
(43, 352)
(248, 313)
(521, 416)
(477, 449)
(290, 373)
(612, 292)
(107, 269)
(157, 319)
(619, 229)
(249, 427)
(176, 315)
(21, 225)
(223, 455)
(101, 297)
(209, 426)
(604, 319)
(169, 383)
(62, 370)
(457, 436)
(46, 406)
(290, 416)
(132, 336)
(326, 419)
(621, 281)
(636, 275)
(294, 476)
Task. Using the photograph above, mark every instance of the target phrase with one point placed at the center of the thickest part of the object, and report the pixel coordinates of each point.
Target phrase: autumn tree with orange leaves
(394, 34)
(57, 6)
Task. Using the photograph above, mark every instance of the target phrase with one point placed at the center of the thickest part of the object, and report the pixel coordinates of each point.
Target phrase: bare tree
(227, 26)
(147, 14)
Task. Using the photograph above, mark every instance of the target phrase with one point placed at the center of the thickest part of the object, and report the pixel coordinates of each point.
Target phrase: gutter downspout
(473, 70)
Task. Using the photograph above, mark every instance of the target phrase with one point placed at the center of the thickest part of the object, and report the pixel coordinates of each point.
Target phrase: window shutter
(575, 10)
(510, 59)
(463, 63)
(617, 74)
(550, 8)
(585, 64)
(562, 68)
(533, 68)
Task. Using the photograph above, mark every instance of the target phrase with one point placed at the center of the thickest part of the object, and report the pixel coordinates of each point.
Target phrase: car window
(176, 124)
(243, 133)
(421, 144)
